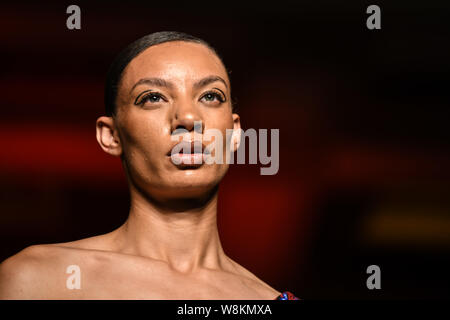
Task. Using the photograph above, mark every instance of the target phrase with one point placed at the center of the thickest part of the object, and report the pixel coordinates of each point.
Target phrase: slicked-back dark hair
(121, 61)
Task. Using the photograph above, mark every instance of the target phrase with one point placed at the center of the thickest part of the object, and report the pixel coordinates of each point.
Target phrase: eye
(151, 97)
(212, 96)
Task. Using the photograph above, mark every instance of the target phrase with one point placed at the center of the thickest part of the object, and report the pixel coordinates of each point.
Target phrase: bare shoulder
(39, 271)
(263, 289)
(22, 274)
(98, 243)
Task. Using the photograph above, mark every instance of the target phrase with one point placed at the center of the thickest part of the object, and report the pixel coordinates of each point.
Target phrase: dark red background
(363, 118)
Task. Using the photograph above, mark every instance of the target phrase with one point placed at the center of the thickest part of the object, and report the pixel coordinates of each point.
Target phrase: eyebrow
(158, 82)
(208, 80)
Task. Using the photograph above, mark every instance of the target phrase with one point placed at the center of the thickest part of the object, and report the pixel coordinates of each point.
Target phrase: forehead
(174, 61)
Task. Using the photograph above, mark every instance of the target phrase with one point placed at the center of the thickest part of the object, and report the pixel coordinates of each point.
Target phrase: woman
(160, 86)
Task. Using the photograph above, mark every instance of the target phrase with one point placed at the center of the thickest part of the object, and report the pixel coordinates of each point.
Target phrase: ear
(236, 137)
(107, 136)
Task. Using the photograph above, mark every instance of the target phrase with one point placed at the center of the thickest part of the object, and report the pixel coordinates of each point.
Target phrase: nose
(187, 116)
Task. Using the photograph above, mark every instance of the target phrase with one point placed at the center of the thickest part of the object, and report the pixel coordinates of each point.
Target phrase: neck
(182, 233)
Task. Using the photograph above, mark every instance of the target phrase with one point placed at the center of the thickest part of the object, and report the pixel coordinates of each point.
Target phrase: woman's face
(168, 87)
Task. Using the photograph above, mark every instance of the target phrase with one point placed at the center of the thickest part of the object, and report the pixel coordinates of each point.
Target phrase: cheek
(220, 123)
(220, 120)
(144, 139)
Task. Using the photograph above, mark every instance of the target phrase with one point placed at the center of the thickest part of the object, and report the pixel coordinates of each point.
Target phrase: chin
(193, 182)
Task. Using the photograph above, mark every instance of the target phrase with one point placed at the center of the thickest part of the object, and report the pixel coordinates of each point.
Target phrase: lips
(188, 153)
(188, 147)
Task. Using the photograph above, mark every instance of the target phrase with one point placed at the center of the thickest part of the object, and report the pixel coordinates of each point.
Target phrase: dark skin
(169, 247)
